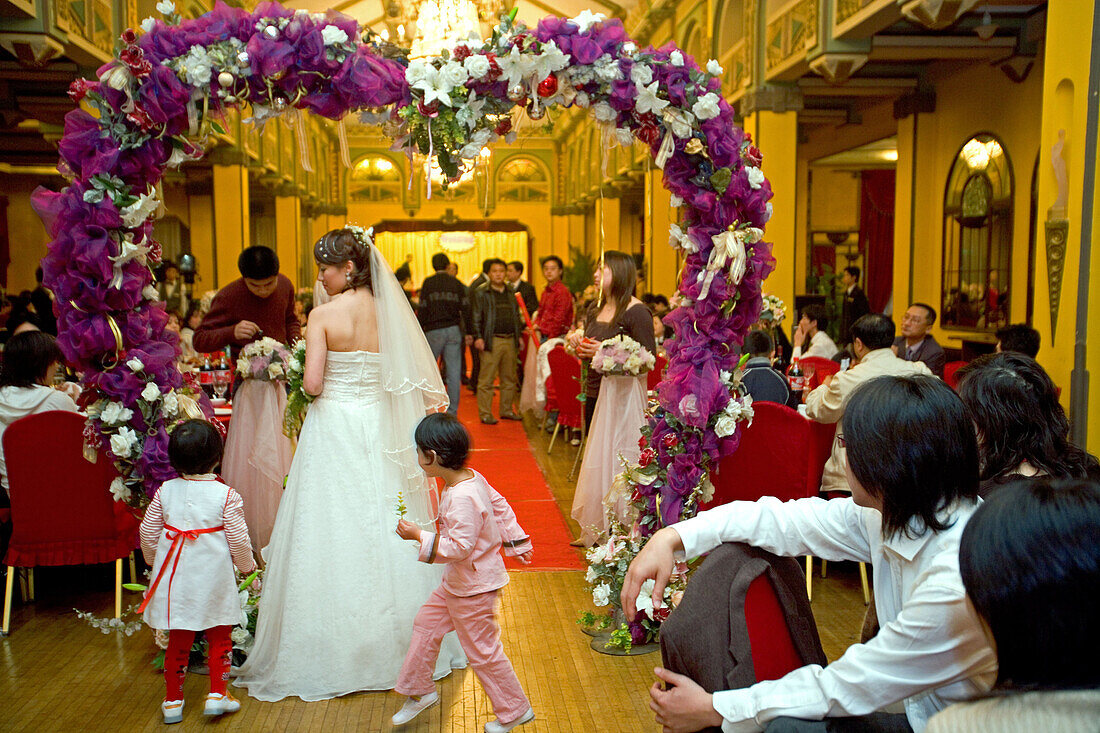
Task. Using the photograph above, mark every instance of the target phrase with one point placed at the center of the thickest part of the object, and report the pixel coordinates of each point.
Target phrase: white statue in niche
(1058, 210)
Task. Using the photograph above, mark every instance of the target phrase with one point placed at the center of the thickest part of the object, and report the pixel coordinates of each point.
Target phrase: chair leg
(118, 588)
(823, 564)
(553, 437)
(133, 567)
(7, 600)
(866, 587)
(810, 577)
(30, 581)
(24, 589)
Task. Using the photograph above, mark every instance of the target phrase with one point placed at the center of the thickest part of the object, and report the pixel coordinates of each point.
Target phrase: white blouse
(930, 650)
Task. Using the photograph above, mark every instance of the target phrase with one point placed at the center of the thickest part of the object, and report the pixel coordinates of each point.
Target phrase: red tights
(219, 647)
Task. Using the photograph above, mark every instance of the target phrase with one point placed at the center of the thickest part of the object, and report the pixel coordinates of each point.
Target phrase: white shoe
(220, 704)
(412, 708)
(495, 726)
(172, 711)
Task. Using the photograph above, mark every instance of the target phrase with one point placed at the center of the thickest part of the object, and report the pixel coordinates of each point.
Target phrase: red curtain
(876, 236)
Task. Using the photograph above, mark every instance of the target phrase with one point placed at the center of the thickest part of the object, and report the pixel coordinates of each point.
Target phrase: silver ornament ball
(225, 79)
(516, 92)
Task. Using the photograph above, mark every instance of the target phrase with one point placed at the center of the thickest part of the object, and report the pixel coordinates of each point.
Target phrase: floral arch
(155, 105)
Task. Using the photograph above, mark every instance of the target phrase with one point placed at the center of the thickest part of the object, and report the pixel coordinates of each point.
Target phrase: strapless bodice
(352, 375)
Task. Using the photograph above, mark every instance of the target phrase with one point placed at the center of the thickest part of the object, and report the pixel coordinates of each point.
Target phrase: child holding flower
(475, 522)
(193, 534)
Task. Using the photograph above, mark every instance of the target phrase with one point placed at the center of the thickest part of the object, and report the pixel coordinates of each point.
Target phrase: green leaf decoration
(720, 179)
(217, 127)
(137, 587)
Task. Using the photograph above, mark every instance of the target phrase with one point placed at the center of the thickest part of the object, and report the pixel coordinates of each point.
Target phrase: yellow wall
(27, 237)
(969, 102)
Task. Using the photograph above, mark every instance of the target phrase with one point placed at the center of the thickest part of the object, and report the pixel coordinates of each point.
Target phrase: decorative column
(662, 273)
(232, 227)
(771, 117)
(288, 229)
(1065, 310)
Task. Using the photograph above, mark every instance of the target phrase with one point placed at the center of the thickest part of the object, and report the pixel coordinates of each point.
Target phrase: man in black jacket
(497, 330)
(855, 302)
(478, 283)
(444, 316)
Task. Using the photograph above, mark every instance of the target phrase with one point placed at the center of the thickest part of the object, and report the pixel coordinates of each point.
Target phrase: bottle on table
(206, 376)
(796, 378)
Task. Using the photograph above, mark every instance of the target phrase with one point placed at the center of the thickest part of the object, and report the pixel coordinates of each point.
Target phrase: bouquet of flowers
(265, 359)
(622, 356)
(297, 401)
(773, 310)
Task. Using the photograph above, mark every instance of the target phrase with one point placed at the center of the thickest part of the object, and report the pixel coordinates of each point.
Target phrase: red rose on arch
(671, 440)
(129, 37)
(78, 89)
(461, 53)
(503, 127)
(642, 442)
(661, 614)
(646, 457)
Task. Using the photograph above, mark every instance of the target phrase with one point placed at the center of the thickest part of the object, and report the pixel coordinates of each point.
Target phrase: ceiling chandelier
(438, 25)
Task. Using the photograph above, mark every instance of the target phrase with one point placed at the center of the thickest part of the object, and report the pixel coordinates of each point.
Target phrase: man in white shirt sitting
(912, 464)
(872, 336)
(811, 327)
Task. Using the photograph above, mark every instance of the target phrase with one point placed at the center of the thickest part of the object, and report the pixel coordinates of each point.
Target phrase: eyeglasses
(840, 439)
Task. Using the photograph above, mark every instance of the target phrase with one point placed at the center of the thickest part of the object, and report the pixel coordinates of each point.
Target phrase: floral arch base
(156, 104)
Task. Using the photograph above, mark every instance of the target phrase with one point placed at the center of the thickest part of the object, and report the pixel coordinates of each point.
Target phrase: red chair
(656, 374)
(776, 457)
(816, 369)
(61, 506)
(949, 373)
(565, 374)
(773, 650)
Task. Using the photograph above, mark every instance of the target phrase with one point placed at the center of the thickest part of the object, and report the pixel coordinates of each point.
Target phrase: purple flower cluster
(148, 113)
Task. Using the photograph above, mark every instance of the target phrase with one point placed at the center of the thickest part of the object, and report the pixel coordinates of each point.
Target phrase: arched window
(977, 236)
(375, 178)
(522, 180)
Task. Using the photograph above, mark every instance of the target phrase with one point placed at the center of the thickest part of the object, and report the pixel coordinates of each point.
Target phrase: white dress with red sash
(193, 571)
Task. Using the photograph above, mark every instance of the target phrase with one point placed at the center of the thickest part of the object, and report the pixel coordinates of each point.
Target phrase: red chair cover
(61, 506)
(657, 373)
(773, 650)
(821, 368)
(565, 373)
(949, 373)
(776, 457)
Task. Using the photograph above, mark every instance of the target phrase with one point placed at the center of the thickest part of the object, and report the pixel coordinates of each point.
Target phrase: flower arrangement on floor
(298, 400)
(156, 105)
(622, 356)
(266, 359)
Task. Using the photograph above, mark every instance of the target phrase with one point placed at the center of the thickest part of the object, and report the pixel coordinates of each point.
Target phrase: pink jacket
(474, 522)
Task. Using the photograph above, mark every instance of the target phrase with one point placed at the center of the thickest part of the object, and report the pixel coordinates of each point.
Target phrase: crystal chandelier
(441, 24)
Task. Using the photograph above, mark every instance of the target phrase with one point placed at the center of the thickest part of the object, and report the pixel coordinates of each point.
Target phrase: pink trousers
(473, 619)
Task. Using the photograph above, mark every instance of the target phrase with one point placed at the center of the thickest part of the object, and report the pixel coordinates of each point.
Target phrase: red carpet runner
(502, 455)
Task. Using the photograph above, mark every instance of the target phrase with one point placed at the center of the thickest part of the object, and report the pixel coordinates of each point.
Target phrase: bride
(341, 589)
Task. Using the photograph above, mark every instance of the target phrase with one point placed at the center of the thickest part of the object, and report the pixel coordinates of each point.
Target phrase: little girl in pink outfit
(474, 523)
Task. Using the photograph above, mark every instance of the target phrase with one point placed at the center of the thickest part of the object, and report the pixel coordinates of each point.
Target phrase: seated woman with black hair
(1031, 567)
(912, 461)
(1022, 428)
(31, 361)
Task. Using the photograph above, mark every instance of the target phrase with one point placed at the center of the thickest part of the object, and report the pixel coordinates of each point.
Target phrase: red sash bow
(178, 537)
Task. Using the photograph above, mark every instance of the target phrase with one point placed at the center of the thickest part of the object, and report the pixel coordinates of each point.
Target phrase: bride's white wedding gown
(341, 589)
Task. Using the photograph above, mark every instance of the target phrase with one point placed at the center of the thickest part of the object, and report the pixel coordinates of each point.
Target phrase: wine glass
(221, 384)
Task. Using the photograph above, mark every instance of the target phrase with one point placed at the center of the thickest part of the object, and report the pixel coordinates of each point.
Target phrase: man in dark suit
(476, 284)
(915, 343)
(855, 302)
(514, 275)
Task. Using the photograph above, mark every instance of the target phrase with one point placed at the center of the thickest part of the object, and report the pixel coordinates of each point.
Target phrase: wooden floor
(59, 674)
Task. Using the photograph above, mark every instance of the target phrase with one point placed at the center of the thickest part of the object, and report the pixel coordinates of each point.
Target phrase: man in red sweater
(555, 313)
(260, 303)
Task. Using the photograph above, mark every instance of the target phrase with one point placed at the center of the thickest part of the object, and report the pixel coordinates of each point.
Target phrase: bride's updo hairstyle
(347, 245)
